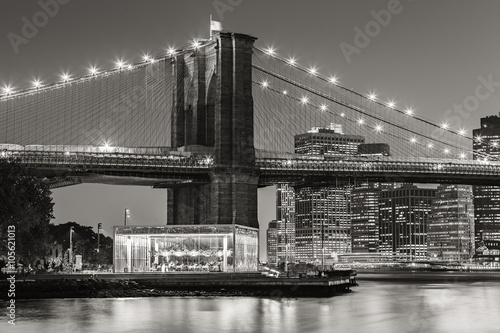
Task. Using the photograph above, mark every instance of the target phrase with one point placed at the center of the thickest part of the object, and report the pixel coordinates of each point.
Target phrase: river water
(425, 302)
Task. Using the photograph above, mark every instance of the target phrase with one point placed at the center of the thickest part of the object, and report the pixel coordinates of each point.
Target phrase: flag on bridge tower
(214, 26)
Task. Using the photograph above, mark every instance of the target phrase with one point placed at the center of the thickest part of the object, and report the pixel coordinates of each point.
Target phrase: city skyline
(390, 58)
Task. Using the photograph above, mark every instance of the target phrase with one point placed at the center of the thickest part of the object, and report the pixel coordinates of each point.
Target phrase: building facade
(450, 231)
(365, 219)
(323, 213)
(486, 145)
(323, 223)
(329, 141)
(272, 242)
(285, 219)
(404, 213)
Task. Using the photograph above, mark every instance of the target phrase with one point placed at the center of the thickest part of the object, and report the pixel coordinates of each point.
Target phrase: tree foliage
(84, 242)
(26, 203)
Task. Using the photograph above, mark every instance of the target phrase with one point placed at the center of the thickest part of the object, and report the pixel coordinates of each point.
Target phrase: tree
(84, 242)
(26, 204)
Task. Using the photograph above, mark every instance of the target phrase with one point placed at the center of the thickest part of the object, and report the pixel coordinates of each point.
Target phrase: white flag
(215, 26)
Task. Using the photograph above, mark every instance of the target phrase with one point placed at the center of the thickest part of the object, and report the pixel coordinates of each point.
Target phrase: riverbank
(185, 285)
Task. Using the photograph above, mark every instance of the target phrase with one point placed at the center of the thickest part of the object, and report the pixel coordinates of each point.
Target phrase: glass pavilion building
(220, 248)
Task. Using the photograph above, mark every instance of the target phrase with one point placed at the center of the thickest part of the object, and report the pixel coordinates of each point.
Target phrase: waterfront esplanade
(174, 248)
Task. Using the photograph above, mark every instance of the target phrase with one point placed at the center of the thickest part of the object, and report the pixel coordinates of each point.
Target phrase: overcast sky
(427, 54)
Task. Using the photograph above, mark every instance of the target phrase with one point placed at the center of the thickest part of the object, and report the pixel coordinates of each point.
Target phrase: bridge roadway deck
(272, 168)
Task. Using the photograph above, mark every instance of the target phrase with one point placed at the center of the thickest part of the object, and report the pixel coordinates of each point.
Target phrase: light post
(71, 248)
(127, 215)
(99, 226)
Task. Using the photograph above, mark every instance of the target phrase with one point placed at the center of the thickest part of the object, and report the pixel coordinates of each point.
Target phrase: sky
(439, 57)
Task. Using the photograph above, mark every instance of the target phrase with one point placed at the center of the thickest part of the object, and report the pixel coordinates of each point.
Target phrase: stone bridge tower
(213, 115)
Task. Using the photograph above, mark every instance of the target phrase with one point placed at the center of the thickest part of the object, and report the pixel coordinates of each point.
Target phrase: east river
(387, 302)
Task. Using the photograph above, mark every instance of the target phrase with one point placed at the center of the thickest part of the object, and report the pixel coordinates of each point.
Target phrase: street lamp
(127, 215)
(71, 248)
(99, 227)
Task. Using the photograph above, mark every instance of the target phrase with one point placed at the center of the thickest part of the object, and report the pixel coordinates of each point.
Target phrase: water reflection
(373, 307)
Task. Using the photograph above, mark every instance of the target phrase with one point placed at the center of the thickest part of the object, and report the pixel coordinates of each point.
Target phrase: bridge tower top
(213, 103)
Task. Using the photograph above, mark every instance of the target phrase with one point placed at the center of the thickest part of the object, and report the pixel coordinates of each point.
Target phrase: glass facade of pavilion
(218, 248)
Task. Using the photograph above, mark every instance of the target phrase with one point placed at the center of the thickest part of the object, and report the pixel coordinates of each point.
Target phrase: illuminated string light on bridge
(65, 77)
(37, 84)
(171, 51)
(120, 64)
(145, 57)
(378, 128)
(264, 84)
(361, 121)
(446, 151)
(413, 140)
(478, 138)
(333, 80)
(372, 97)
(285, 92)
(462, 132)
(196, 44)
(130, 67)
(291, 61)
(430, 145)
(313, 70)
(462, 156)
(391, 104)
(304, 100)
(323, 107)
(409, 111)
(444, 126)
(8, 90)
(270, 50)
(93, 70)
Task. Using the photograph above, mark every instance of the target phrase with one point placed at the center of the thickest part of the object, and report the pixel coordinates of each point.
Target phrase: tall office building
(450, 230)
(329, 141)
(365, 219)
(285, 218)
(486, 144)
(404, 213)
(323, 223)
(272, 242)
(323, 214)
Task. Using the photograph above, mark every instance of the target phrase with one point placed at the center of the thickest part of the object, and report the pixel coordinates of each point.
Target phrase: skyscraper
(365, 219)
(450, 230)
(285, 218)
(330, 141)
(323, 213)
(323, 222)
(272, 242)
(404, 213)
(486, 145)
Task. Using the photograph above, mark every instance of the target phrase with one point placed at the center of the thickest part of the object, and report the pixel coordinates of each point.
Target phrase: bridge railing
(380, 166)
(85, 160)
